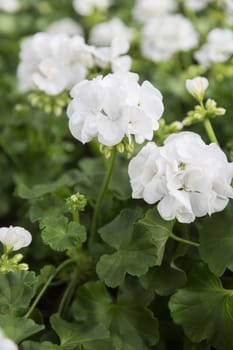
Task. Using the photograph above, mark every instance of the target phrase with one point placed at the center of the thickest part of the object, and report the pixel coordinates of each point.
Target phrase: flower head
(65, 26)
(53, 62)
(113, 107)
(187, 177)
(197, 5)
(144, 10)
(86, 7)
(218, 48)
(102, 34)
(15, 238)
(174, 33)
(10, 6)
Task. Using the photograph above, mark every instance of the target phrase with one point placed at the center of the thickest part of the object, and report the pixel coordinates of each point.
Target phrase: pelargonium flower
(86, 7)
(114, 57)
(187, 177)
(218, 48)
(53, 63)
(6, 343)
(113, 107)
(102, 34)
(15, 238)
(65, 26)
(144, 10)
(174, 33)
(197, 5)
(228, 9)
(10, 6)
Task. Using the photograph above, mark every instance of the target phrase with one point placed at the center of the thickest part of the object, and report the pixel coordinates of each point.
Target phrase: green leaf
(164, 280)
(16, 291)
(73, 334)
(139, 245)
(159, 229)
(40, 190)
(119, 183)
(188, 345)
(48, 205)
(216, 239)
(132, 326)
(98, 344)
(60, 234)
(17, 328)
(31, 345)
(204, 309)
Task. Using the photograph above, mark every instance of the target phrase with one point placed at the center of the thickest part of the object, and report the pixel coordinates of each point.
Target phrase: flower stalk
(100, 198)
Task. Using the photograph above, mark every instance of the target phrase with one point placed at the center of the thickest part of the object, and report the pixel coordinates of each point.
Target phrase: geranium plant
(116, 226)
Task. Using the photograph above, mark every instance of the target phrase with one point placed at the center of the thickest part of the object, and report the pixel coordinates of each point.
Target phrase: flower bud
(14, 238)
(76, 202)
(197, 87)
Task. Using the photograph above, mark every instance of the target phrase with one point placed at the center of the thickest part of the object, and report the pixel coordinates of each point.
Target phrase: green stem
(210, 131)
(76, 215)
(100, 198)
(39, 296)
(185, 241)
(67, 296)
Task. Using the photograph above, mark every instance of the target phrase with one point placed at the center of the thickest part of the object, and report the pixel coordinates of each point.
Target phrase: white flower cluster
(65, 26)
(113, 107)
(228, 7)
(164, 36)
(6, 343)
(53, 63)
(187, 177)
(102, 34)
(197, 5)
(147, 9)
(86, 7)
(56, 62)
(15, 238)
(218, 48)
(10, 6)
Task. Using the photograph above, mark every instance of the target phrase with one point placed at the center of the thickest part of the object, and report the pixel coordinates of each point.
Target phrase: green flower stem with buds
(101, 195)
(185, 241)
(41, 293)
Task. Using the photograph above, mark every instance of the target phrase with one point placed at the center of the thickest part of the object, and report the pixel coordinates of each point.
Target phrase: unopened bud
(197, 87)
(76, 202)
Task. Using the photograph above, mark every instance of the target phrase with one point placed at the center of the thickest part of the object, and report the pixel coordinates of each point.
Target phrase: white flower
(197, 5)
(15, 238)
(65, 26)
(189, 178)
(102, 34)
(218, 48)
(53, 63)
(86, 7)
(6, 343)
(197, 87)
(113, 107)
(228, 7)
(144, 10)
(10, 6)
(113, 57)
(164, 36)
